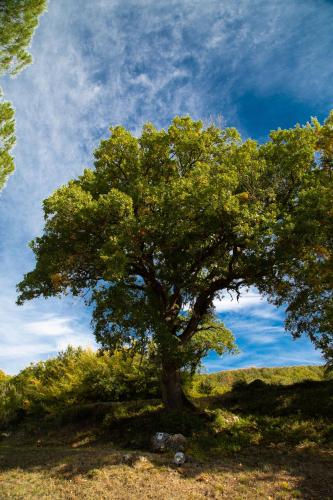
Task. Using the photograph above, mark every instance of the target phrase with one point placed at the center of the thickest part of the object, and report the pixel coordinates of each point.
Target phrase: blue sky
(257, 64)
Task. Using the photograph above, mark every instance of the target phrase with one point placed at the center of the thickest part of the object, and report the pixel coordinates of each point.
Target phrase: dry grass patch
(104, 473)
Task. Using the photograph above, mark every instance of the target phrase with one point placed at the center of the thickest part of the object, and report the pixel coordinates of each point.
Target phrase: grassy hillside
(280, 375)
(220, 382)
(258, 433)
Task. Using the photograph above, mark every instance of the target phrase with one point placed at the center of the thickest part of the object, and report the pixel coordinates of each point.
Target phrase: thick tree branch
(149, 277)
(206, 297)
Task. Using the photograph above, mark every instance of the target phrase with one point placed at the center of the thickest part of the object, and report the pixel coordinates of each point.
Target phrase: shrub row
(76, 376)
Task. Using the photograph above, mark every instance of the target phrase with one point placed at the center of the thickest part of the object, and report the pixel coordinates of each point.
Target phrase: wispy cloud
(51, 325)
(32, 332)
(230, 303)
(250, 303)
(260, 335)
(297, 354)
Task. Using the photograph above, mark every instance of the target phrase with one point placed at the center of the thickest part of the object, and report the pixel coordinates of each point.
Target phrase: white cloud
(265, 336)
(50, 326)
(266, 311)
(34, 332)
(249, 302)
(299, 353)
(230, 303)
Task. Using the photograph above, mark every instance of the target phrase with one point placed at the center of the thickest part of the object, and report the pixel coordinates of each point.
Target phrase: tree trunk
(172, 392)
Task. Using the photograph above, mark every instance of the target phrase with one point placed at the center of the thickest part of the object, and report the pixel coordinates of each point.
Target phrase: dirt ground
(104, 473)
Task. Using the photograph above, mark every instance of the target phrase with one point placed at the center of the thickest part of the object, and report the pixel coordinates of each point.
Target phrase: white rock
(179, 458)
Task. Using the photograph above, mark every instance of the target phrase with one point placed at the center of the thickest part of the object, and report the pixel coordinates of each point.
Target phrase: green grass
(250, 438)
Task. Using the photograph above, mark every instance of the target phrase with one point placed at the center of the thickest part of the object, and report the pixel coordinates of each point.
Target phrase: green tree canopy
(167, 222)
(303, 278)
(18, 21)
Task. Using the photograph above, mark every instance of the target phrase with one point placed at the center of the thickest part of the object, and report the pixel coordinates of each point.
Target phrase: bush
(206, 386)
(10, 402)
(76, 377)
(239, 385)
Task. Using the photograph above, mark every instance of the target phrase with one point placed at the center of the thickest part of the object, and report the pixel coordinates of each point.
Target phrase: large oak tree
(167, 222)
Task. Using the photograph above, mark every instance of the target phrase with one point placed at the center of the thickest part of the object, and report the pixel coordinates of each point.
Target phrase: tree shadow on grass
(308, 399)
(297, 416)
